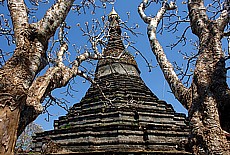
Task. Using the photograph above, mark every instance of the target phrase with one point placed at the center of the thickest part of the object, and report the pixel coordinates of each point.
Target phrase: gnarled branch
(54, 17)
(223, 20)
(19, 16)
(198, 16)
(55, 77)
(179, 90)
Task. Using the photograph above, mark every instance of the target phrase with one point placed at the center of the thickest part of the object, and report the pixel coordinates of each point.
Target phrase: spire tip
(113, 12)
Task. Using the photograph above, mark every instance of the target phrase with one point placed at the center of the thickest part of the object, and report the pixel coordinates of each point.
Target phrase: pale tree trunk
(208, 99)
(17, 75)
(16, 78)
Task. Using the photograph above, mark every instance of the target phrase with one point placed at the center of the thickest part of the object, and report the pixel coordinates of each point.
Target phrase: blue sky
(154, 79)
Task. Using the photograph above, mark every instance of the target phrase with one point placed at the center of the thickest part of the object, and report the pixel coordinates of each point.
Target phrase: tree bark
(9, 121)
(209, 78)
(209, 83)
(16, 76)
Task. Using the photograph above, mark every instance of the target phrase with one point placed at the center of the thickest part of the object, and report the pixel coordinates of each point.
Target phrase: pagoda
(119, 114)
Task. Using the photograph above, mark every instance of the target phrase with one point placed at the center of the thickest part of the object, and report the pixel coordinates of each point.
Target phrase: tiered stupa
(119, 115)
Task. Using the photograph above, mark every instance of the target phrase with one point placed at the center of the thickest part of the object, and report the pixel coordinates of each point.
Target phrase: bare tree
(208, 97)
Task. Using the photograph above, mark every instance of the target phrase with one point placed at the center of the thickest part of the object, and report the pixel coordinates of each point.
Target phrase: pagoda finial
(113, 18)
(113, 12)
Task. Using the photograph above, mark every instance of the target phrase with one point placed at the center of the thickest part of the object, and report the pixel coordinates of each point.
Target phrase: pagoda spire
(115, 41)
(116, 49)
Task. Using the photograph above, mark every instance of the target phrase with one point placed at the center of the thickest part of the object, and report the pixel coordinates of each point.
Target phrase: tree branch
(223, 20)
(19, 16)
(55, 77)
(141, 11)
(227, 34)
(178, 89)
(198, 16)
(54, 17)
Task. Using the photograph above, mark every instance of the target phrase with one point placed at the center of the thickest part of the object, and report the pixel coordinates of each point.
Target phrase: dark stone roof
(115, 48)
(119, 114)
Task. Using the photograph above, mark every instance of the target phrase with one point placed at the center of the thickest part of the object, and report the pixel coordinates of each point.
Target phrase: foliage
(24, 141)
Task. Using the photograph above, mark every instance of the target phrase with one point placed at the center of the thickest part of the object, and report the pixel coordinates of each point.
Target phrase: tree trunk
(12, 100)
(207, 136)
(209, 78)
(16, 76)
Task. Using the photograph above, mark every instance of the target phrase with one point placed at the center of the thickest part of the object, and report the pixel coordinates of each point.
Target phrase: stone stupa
(122, 115)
